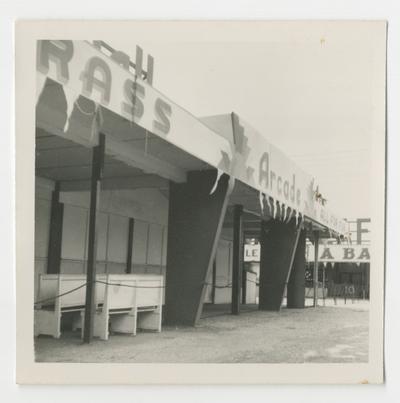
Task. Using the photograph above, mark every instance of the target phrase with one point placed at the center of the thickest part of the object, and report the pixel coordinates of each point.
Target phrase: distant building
(341, 266)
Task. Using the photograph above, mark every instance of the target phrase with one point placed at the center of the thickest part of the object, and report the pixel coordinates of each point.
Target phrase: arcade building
(127, 181)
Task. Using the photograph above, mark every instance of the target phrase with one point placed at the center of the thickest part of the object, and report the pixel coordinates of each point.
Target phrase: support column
(277, 242)
(194, 225)
(367, 278)
(315, 274)
(237, 258)
(244, 287)
(130, 245)
(97, 170)
(323, 283)
(336, 272)
(329, 278)
(55, 235)
(214, 280)
(296, 286)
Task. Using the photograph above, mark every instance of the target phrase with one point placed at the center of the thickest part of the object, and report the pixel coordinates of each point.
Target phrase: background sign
(252, 253)
(340, 253)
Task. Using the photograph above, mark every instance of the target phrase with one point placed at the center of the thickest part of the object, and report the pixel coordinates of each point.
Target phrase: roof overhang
(274, 182)
(82, 92)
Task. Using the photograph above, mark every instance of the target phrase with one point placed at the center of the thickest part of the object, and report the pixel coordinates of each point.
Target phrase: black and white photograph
(206, 192)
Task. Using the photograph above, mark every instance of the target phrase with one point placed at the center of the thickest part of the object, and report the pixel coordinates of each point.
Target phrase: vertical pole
(315, 275)
(237, 264)
(97, 168)
(130, 245)
(363, 280)
(150, 69)
(139, 62)
(55, 235)
(292, 257)
(244, 286)
(323, 284)
(214, 280)
(334, 276)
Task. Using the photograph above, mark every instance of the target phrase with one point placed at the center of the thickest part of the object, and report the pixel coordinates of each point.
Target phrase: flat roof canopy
(150, 140)
(69, 163)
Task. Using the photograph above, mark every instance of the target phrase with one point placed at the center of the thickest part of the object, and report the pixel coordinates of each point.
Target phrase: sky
(309, 88)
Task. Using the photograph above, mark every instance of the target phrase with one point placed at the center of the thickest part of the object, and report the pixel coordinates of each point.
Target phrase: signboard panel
(252, 253)
(263, 166)
(340, 253)
(82, 69)
(327, 253)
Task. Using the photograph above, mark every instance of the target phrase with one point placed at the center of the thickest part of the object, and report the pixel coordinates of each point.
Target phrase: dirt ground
(329, 334)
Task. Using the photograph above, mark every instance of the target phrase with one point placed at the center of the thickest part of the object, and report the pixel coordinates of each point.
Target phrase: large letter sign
(95, 67)
(59, 52)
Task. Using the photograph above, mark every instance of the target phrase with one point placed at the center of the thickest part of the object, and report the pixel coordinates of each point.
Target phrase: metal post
(334, 287)
(214, 280)
(130, 245)
(55, 235)
(292, 257)
(237, 264)
(323, 284)
(315, 274)
(244, 286)
(97, 170)
(363, 280)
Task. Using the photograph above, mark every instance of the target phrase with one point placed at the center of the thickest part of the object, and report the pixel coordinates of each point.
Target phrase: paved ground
(327, 334)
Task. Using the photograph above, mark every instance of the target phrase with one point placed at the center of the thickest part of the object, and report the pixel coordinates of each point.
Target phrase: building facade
(127, 181)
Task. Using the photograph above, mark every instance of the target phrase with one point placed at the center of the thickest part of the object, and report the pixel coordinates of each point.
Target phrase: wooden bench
(131, 301)
(48, 314)
(118, 310)
(124, 303)
(149, 301)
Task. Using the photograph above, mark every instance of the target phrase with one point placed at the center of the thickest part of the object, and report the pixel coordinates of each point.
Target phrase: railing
(348, 291)
(345, 291)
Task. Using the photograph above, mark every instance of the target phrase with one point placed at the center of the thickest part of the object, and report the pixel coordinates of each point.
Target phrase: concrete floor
(329, 334)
